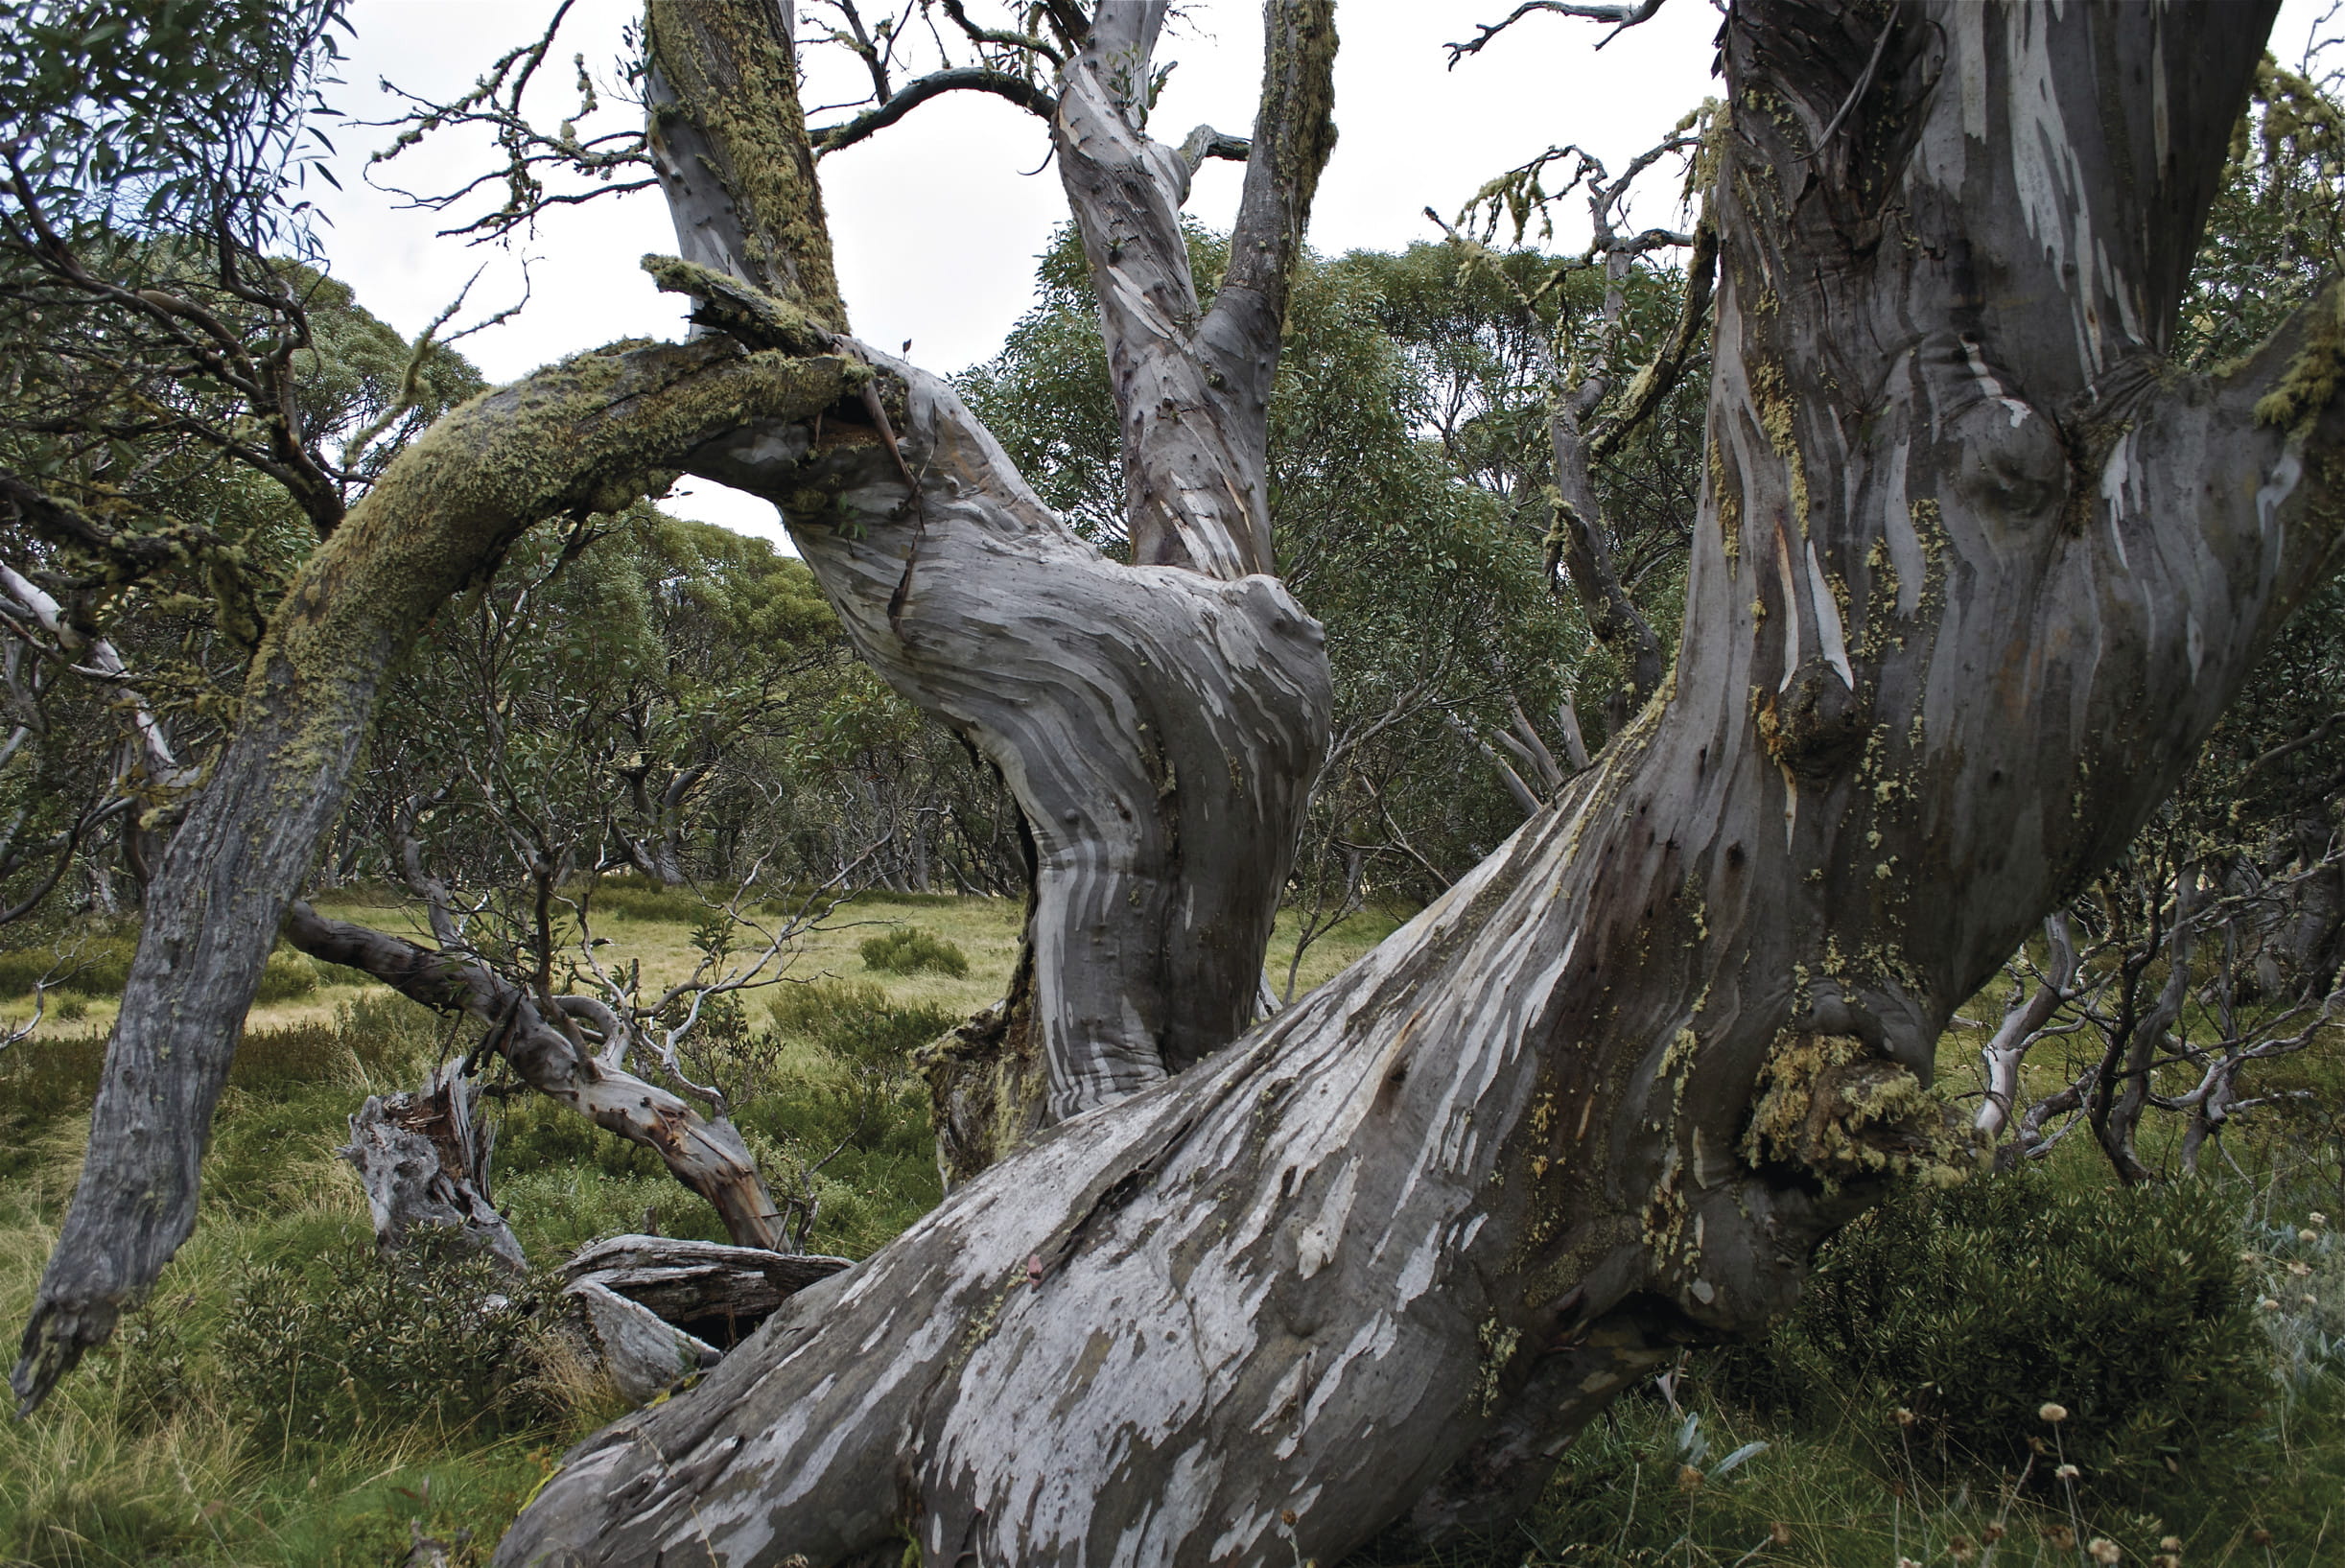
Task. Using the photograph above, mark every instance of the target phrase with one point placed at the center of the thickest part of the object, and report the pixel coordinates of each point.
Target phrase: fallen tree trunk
(706, 1155)
(1975, 572)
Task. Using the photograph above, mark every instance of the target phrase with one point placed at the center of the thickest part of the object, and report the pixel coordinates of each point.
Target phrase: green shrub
(1973, 1307)
(356, 1344)
(101, 966)
(90, 966)
(297, 1054)
(285, 975)
(858, 1021)
(394, 1037)
(911, 951)
(42, 1077)
(637, 897)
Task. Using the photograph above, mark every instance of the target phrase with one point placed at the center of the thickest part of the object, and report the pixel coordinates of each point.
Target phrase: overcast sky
(937, 221)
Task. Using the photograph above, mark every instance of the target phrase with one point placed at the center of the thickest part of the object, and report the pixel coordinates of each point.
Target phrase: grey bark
(686, 1281)
(644, 1354)
(547, 1051)
(1974, 572)
(2005, 1051)
(1160, 724)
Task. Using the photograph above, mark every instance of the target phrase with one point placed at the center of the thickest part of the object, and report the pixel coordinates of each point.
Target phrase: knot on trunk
(1815, 726)
(1835, 1110)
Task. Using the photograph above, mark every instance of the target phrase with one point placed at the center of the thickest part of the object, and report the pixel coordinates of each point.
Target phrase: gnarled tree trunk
(1160, 724)
(1974, 572)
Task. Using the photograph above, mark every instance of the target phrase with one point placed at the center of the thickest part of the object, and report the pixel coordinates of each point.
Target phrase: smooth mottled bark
(1159, 723)
(588, 435)
(1975, 570)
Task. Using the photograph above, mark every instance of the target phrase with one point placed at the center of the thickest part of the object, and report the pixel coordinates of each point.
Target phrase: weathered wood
(1975, 570)
(705, 1154)
(687, 1282)
(1158, 724)
(423, 1158)
(644, 1354)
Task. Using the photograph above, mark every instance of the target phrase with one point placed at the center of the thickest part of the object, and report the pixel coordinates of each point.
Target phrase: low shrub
(285, 975)
(88, 964)
(356, 1343)
(1971, 1308)
(636, 896)
(858, 1021)
(910, 951)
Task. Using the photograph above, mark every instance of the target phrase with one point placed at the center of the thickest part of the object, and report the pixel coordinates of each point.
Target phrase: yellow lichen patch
(2313, 376)
(1498, 1343)
(1831, 1107)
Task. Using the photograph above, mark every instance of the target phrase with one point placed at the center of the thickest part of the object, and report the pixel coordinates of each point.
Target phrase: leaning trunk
(588, 435)
(1974, 573)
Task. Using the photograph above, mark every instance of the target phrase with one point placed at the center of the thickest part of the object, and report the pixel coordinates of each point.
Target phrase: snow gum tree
(1976, 569)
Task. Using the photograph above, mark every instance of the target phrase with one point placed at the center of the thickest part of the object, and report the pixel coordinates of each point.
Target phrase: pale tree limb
(2005, 1052)
(1392, 1249)
(1161, 752)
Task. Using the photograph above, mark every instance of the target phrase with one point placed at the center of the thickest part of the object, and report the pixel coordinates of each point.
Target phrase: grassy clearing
(252, 1416)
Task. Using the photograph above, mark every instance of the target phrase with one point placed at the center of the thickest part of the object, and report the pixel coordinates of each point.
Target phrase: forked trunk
(1974, 572)
(1160, 724)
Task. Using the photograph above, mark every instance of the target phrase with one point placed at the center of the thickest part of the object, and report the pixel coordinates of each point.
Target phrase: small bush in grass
(637, 897)
(285, 975)
(1973, 1307)
(858, 1021)
(911, 951)
(90, 966)
(356, 1343)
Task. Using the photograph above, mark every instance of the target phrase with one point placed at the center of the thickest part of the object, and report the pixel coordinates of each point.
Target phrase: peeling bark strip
(1974, 573)
(588, 435)
(1161, 724)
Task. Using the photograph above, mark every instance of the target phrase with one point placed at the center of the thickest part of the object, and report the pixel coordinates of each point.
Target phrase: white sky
(936, 221)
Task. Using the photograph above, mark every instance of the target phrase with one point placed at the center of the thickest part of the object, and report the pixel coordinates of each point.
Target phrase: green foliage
(353, 1342)
(857, 1022)
(911, 951)
(285, 976)
(1973, 1307)
(88, 964)
(145, 111)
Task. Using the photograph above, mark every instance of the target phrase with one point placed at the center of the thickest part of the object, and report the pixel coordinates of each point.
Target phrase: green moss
(737, 83)
(732, 306)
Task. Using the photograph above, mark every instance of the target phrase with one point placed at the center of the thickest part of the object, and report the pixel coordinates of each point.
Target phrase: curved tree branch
(589, 434)
(1004, 84)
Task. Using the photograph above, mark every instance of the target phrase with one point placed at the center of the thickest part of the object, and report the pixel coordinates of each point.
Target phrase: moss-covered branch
(589, 434)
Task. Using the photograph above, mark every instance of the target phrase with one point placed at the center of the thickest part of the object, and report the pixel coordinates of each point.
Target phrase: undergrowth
(289, 1399)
